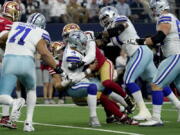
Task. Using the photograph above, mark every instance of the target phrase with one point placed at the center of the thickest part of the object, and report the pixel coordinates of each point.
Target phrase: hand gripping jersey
(171, 44)
(71, 56)
(23, 38)
(5, 24)
(128, 33)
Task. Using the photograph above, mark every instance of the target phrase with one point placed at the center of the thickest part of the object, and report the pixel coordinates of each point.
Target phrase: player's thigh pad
(99, 85)
(79, 90)
(167, 71)
(23, 67)
(137, 64)
(106, 71)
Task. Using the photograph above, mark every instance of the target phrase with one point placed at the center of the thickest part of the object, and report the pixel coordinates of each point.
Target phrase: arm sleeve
(91, 53)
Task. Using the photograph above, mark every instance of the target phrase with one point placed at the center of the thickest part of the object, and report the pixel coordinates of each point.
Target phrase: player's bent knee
(92, 89)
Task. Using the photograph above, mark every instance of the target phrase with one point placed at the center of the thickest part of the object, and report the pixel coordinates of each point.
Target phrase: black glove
(98, 35)
(75, 66)
(58, 70)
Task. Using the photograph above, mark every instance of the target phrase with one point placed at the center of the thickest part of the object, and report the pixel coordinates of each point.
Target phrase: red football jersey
(100, 58)
(5, 24)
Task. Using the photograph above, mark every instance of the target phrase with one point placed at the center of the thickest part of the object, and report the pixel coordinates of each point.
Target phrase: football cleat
(111, 119)
(127, 120)
(28, 127)
(143, 115)
(5, 122)
(151, 123)
(94, 122)
(16, 108)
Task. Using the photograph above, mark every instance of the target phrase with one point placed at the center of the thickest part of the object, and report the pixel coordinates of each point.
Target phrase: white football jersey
(171, 44)
(71, 56)
(127, 34)
(23, 38)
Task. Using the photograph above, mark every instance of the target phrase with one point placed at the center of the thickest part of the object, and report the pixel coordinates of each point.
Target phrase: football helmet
(77, 40)
(69, 28)
(37, 19)
(11, 9)
(57, 48)
(159, 5)
(107, 15)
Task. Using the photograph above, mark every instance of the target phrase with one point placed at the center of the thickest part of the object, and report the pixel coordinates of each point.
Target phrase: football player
(104, 66)
(81, 86)
(10, 13)
(18, 63)
(119, 29)
(168, 28)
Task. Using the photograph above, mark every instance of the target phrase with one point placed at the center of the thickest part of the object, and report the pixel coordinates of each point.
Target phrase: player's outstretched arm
(163, 30)
(45, 54)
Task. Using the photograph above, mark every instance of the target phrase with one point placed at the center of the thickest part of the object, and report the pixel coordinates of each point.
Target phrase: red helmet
(11, 9)
(69, 28)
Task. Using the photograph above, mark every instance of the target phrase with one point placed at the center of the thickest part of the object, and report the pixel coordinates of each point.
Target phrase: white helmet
(107, 15)
(77, 40)
(159, 6)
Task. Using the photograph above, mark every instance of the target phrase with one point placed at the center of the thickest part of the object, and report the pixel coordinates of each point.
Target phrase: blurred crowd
(86, 11)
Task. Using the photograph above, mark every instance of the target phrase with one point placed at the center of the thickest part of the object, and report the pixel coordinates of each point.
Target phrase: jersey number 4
(23, 30)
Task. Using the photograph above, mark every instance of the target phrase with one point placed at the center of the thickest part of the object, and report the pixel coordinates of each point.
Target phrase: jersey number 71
(23, 30)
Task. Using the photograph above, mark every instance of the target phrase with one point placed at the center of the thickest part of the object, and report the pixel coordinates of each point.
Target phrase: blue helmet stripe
(33, 21)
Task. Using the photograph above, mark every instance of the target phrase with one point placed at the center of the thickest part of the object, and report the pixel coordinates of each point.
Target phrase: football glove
(75, 66)
(58, 70)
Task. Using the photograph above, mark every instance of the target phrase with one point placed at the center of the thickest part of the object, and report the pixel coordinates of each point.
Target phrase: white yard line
(85, 128)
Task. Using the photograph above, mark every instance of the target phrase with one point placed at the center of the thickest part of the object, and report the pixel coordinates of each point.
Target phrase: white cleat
(28, 127)
(151, 123)
(143, 115)
(94, 122)
(16, 109)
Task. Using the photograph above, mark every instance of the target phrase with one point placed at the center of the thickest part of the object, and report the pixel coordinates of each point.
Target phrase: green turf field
(73, 120)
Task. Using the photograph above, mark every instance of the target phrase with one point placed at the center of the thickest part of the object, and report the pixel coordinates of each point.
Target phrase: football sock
(92, 101)
(118, 98)
(5, 110)
(110, 106)
(134, 89)
(170, 95)
(157, 100)
(31, 102)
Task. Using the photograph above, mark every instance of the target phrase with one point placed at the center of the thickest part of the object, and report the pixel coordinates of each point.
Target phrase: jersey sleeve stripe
(165, 17)
(76, 61)
(48, 39)
(71, 57)
(164, 20)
